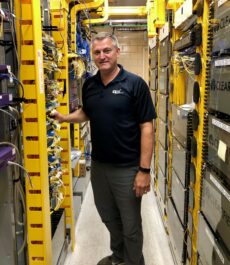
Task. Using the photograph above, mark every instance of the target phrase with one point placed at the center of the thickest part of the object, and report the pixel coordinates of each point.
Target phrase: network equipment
(154, 57)
(219, 94)
(210, 249)
(219, 145)
(183, 13)
(165, 52)
(215, 205)
(181, 123)
(161, 184)
(164, 80)
(180, 162)
(162, 159)
(163, 107)
(153, 79)
(5, 99)
(180, 198)
(163, 128)
(189, 38)
(177, 233)
(221, 30)
(154, 97)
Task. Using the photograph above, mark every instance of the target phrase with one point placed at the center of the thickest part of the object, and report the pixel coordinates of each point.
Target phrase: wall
(134, 51)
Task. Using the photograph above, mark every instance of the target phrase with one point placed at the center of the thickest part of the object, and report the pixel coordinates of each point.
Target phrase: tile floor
(92, 239)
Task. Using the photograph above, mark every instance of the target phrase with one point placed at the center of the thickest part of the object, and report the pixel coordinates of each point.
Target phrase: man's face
(105, 54)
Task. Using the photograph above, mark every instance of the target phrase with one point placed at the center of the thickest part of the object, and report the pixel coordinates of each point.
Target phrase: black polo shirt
(115, 112)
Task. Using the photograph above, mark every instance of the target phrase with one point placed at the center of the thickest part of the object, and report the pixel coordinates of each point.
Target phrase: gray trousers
(119, 209)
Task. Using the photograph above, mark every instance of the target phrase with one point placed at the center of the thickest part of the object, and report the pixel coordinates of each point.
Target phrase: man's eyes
(106, 51)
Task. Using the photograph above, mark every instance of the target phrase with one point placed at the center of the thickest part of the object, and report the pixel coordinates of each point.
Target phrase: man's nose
(101, 54)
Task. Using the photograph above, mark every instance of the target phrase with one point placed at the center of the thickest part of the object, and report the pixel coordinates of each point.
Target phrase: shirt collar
(121, 75)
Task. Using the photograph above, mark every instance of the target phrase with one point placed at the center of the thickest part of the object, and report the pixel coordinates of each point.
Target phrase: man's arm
(142, 180)
(77, 116)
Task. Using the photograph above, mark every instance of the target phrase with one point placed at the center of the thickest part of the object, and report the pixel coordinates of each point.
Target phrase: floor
(92, 239)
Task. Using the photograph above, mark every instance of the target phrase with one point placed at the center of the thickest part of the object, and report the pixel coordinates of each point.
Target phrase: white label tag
(222, 148)
(40, 71)
(221, 2)
(222, 62)
(13, 151)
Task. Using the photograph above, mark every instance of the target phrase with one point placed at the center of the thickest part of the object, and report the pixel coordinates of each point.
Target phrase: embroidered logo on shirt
(117, 92)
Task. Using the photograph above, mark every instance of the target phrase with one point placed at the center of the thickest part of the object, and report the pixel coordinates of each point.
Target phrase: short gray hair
(105, 35)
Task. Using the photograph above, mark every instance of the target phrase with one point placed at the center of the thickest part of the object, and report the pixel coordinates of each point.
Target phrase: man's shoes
(110, 261)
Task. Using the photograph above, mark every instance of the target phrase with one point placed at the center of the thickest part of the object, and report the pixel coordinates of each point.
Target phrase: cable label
(40, 71)
(221, 2)
(221, 125)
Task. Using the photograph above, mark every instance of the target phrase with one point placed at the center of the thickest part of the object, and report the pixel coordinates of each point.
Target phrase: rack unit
(191, 39)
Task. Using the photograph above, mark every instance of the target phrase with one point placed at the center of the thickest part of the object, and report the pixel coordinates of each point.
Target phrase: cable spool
(190, 222)
(195, 120)
(196, 92)
(191, 199)
(198, 64)
(193, 146)
(192, 173)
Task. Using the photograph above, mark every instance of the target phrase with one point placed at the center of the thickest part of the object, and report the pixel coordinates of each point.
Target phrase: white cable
(6, 112)
(27, 174)
(15, 110)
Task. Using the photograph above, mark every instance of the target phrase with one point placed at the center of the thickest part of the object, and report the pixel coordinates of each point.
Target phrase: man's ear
(118, 51)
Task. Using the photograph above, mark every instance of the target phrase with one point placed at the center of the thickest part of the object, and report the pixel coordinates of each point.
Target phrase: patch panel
(219, 145)
(189, 38)
(215, 205)
(210, 249)
(7, 153)
(221, 40)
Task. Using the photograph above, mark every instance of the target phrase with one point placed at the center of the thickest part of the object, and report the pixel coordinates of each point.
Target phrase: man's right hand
(76, 116)
(58, 116)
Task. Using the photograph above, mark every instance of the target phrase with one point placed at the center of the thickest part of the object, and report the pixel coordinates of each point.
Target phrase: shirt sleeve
(144, 108)
(84, 107)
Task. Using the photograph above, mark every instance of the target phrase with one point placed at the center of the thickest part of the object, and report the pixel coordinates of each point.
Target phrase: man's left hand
(141, 183)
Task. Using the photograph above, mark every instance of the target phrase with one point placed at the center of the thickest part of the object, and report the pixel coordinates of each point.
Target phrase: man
(120, 110)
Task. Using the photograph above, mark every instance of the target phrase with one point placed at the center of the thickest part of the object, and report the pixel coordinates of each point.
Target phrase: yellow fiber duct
(118, 10)
(73, 14)
(150, 19)
(174, 4)
(159, 13)
(105, 14)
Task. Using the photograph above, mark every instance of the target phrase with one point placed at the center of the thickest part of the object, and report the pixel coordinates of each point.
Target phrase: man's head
(105, 51)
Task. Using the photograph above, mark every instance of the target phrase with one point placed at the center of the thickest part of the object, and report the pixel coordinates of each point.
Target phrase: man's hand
(141, 183)
(58, 116)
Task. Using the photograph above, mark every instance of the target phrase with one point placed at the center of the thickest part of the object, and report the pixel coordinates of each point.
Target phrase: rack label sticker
(221, 2)
(222, 148)
(219, 187)
(221, 125)
(222, 62)
(40, 71)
